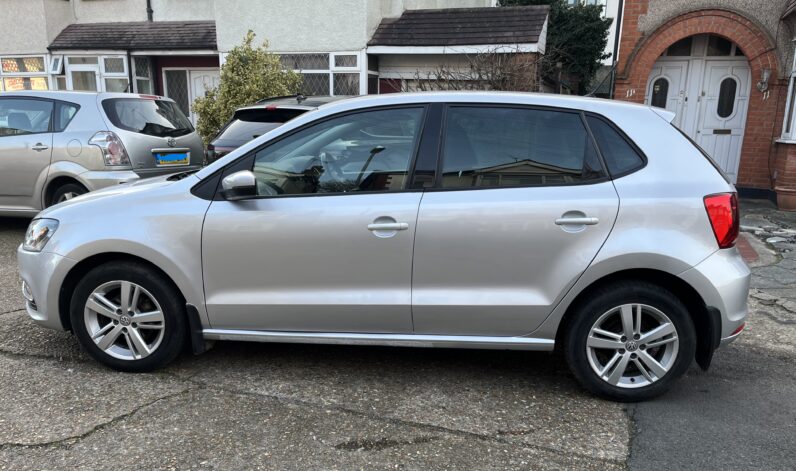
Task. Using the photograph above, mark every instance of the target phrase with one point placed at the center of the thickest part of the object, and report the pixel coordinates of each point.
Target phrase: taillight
(113, 151)
(722, 211)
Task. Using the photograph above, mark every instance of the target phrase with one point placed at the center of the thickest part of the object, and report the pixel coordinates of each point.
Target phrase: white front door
(201, 81)
(722, 112)
(666, 87)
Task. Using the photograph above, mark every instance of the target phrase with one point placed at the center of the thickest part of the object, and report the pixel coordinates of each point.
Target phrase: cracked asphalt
(260, 406)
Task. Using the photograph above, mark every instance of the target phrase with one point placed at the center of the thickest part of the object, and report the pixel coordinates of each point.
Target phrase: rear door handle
(39, 147)
(388, 226)
(576, 221)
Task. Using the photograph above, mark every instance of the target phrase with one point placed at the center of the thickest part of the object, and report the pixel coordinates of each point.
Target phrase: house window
(95, 73)
(326, 74)
(788, 126)
(143, 75)
(23, 73)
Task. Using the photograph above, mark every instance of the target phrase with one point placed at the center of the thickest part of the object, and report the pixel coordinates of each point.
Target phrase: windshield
(146, 116)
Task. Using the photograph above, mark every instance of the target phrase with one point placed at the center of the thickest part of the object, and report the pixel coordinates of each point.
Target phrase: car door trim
(393, 340)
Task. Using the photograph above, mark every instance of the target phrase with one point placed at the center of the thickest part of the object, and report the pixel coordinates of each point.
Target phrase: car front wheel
(630, 341)
(129, 317)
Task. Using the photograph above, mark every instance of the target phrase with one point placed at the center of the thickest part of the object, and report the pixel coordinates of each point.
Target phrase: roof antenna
(300, 98)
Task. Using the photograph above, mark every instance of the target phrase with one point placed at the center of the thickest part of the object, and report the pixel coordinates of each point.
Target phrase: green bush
(249, 74)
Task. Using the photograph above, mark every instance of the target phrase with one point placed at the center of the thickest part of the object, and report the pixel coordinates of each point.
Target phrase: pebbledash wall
(764, 30)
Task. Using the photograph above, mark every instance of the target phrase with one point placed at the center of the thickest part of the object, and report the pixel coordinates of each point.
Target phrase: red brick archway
(635, 66)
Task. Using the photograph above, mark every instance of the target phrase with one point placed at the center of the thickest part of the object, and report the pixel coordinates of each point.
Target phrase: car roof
(76, 96)
(295, 102)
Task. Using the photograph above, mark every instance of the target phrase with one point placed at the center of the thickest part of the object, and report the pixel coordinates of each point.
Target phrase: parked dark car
(255, 120)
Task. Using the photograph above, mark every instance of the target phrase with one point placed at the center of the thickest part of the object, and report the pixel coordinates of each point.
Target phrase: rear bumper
(722, 280)
(96, 180)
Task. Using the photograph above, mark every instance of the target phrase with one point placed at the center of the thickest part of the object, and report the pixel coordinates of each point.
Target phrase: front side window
(515, 147)
(20, 116)
(367, 151)
(146, 116)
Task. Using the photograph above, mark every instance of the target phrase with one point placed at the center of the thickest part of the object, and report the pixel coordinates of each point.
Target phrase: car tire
(66, 192)
(129, 334)
(650, 362)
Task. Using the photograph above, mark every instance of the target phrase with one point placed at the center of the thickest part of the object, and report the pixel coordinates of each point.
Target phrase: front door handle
(40, 147)
(388, 226)
(577, 221)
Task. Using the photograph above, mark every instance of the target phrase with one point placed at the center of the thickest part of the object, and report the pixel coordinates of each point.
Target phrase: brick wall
(638, 53)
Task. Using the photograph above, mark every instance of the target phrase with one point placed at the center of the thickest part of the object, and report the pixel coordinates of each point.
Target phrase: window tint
(510, 147)
(249, 124)
(23, 116)
(369, 151)
(64, 112)
(144, 116)
(619, 155)
(726, 102)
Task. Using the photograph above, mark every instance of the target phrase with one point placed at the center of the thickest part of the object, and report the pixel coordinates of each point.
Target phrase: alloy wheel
(124, 320)
(67, 196)
(632, 345)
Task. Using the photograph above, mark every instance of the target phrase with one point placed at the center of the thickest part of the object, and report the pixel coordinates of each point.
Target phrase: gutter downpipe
(617, 36)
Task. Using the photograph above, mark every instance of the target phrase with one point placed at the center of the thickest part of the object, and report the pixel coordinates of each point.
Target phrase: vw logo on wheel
(631, 346)
(171, 142)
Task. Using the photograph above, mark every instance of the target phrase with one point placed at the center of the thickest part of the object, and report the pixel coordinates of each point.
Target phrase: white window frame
(361, 68)
(137, 77)
(113, 74)
(44, 58)
(789, 112)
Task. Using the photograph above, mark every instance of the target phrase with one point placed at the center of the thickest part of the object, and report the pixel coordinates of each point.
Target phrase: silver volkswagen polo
(58, 145)
(467, 220)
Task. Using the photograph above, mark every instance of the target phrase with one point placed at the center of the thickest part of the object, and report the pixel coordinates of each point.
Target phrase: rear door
(520, 209)
(25, 150)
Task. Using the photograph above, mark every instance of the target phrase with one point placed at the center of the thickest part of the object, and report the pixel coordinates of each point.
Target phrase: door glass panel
(84, 80)
(21, 116)
(726, 102)
(177, 88)
(510, 147)
(369, 151)
(660, 91)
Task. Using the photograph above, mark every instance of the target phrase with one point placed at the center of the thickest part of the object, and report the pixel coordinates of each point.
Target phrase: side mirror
(239, 186)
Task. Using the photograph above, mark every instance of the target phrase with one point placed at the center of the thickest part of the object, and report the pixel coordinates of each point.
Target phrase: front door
(327, 243)
(522, 208)
(25, 150)
(722, 112)
(666, 87)
(202, 81)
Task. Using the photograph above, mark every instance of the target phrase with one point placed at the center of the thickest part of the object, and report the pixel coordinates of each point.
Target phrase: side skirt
(392, 340)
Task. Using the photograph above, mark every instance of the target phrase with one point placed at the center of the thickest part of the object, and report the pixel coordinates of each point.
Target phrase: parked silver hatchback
(58, 145)
(476, 220)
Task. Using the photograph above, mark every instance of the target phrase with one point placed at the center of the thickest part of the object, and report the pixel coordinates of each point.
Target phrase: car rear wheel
(67, 192)
(129, 317)
(630, 341)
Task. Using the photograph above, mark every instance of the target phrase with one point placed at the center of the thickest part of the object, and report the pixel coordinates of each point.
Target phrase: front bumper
(95, 180)
(722, 280)
(43, 273)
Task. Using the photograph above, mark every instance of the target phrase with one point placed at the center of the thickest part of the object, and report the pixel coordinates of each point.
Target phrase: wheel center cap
(125, 320)
(631, 346)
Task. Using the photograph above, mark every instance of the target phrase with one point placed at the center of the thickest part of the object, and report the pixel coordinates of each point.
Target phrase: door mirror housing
(239, 186)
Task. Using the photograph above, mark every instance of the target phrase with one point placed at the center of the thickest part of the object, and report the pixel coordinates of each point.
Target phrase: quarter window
(64, 112)
(514, 147)
(368, 151)
(619, 155)
(21, 116)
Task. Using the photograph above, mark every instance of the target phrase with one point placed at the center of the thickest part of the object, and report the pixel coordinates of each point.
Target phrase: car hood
(122, 192)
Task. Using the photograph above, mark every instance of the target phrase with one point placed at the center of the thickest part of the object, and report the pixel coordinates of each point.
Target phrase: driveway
(298, 407)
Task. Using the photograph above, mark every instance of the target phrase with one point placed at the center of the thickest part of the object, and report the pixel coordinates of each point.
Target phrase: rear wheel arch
(86, 265)
(702, 316)
(56, 183)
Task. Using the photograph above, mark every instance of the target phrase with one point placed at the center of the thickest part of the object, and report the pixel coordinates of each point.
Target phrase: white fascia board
(469, 49)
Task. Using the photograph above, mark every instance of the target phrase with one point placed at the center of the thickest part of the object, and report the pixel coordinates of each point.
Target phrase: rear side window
(250, 124)
(24, 116)
(64, 112)
(619, 155)
(145, 116)
(514, 147)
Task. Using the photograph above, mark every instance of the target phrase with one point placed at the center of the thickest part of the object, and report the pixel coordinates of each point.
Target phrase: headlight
(39, 233)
